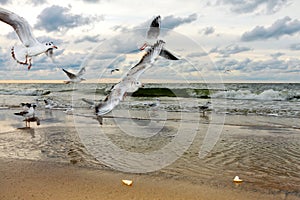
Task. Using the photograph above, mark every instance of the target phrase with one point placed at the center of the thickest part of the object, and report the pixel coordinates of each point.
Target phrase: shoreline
(26, 179)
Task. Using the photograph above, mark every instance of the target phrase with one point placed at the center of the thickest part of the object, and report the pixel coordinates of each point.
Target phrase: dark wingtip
(97, 108)
(100, 120)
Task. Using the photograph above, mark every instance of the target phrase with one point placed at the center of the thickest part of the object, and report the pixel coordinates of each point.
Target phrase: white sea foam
(269, 95)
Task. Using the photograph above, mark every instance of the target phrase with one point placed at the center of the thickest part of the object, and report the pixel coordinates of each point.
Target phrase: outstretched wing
(113, 99)
(168, 55)
(81, 71)
(69, 74)
(154, 29)
(90, 102)
(20, 25)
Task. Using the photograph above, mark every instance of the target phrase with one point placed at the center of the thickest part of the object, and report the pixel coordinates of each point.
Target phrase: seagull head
(50, 45)
(139, 84)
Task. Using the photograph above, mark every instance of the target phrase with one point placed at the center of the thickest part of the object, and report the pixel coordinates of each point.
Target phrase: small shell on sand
(127, 182)
(237, 179)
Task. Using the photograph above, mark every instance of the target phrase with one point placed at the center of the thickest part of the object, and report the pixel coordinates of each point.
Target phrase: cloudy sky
(218, 40)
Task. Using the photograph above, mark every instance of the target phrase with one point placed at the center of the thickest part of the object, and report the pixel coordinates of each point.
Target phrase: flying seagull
(114, 70)
(31, 46)
(75, 78)
(153, 34)
(130, 82)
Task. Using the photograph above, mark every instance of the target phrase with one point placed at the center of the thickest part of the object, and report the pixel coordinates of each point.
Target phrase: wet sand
(50, 162)
(24, 179)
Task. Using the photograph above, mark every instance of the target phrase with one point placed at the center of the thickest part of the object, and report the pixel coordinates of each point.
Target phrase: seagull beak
(143, 47)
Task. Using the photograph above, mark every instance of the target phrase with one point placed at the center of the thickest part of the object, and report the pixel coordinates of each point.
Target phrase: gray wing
(154, 29)
(69, 74)
(88, 101)
(113, 99)
(168, 55)
(20, 25)
(81, 71)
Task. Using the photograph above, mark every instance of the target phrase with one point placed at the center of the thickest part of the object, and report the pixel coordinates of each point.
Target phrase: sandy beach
(24, 179)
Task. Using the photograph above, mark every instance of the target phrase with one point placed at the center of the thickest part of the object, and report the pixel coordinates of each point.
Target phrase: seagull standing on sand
(205, 107)
(75, 78)
(130, 82)
(153, 34)
(31, 47)
(29, 114)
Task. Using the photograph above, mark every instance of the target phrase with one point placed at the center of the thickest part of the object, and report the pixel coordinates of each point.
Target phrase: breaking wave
(27, 92)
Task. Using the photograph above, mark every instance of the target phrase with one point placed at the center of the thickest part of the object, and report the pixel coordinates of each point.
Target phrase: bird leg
(125, 94)
(30, 64)
(14, 57)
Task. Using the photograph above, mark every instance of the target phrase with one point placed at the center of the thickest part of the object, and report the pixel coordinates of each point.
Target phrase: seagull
(153, 34)
(28, 112)
(153, 104)
(130, 81)
(25, 106)
(114, 70)
(31, 46)
(75, 78)
(227, 71)
(50, 104)
(205, 107)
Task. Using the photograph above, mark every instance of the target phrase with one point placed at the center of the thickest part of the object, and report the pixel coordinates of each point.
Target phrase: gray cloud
(231, 49)
(171, 22)
(118, 62)
(33, 2)
(91, 1)
(12, 35)
(285, 26)
(50, 39)
(37, 2)
(120, 28)
(258, 66)
(276, 55)
(208, 30)
(246, 6)
(57, 18)
(3, 2)
(295, 47)
(87, 38)
(167, 23)
(197, 54)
